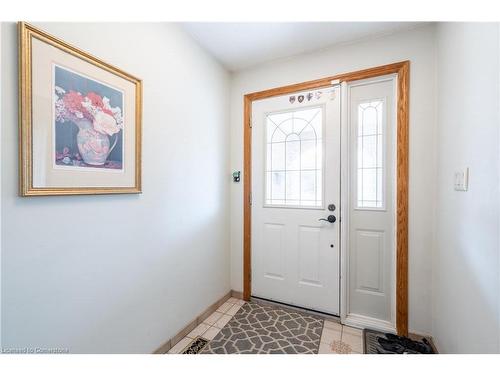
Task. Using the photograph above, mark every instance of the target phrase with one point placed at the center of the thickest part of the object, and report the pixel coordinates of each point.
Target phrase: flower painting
(88, 122)
(80, 121)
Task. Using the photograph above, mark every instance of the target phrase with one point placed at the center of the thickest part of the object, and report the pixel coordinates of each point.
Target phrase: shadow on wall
(101, 293)
(483, 308)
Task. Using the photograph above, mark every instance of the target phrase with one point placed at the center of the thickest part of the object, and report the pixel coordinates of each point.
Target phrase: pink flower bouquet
(73, 106)
(96, 121)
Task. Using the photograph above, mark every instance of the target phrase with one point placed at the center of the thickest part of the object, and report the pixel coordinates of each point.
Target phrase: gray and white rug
(264, 329)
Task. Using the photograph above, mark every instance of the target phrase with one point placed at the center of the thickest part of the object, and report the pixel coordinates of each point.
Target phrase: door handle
(330, 219)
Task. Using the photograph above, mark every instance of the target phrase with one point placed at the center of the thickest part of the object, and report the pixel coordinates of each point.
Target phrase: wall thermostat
(236, 176)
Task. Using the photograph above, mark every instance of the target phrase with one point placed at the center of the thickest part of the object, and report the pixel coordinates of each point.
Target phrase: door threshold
(320, 314)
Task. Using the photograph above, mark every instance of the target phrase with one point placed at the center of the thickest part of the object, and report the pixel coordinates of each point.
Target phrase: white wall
(0, 191)
(123, 273)
(416, 45)
(466, 259)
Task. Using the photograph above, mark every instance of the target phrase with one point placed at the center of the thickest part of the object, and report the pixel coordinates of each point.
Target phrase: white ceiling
(241, 45)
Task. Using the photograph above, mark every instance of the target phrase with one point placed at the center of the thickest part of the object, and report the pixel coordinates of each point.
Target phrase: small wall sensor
(236, 176)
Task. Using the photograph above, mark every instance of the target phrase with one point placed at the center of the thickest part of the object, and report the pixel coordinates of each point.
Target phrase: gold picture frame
(129, 176)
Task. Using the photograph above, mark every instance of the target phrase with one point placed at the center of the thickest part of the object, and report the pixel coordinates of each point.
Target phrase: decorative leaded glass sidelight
(370, 160)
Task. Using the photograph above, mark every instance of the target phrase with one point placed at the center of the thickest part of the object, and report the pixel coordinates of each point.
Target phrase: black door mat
(196, 346)
(377, 342)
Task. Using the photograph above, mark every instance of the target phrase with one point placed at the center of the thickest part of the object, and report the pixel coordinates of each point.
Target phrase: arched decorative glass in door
(294, 158)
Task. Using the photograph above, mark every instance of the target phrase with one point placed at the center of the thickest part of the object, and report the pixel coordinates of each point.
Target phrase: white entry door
(295, 187)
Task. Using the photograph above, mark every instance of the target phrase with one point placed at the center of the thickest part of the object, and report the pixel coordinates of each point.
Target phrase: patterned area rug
(263, 329)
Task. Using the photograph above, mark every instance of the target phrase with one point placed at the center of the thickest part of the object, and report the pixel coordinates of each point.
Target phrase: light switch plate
(462, 180)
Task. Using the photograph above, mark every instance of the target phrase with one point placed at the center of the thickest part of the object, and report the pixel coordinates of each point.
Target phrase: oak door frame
(402, 70)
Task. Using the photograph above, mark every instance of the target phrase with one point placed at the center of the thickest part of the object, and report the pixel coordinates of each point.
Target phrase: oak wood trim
(247, 208)
(402, 172)
(324, 82)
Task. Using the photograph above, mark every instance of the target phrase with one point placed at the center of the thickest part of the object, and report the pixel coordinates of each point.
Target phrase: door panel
(368, 251)
(295, 175)
(274, 253)
(309, 255)
(371, 234)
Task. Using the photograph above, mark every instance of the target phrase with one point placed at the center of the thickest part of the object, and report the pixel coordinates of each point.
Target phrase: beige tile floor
(340, 339)
(335, 338)
(211, 326)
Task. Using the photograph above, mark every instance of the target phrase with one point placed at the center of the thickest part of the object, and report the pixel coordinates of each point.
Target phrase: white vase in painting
(94, 147)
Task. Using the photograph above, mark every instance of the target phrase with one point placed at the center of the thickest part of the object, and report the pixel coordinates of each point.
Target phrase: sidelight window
(370, 160)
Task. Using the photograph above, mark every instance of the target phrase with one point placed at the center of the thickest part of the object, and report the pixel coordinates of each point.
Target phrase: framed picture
(79, 120)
